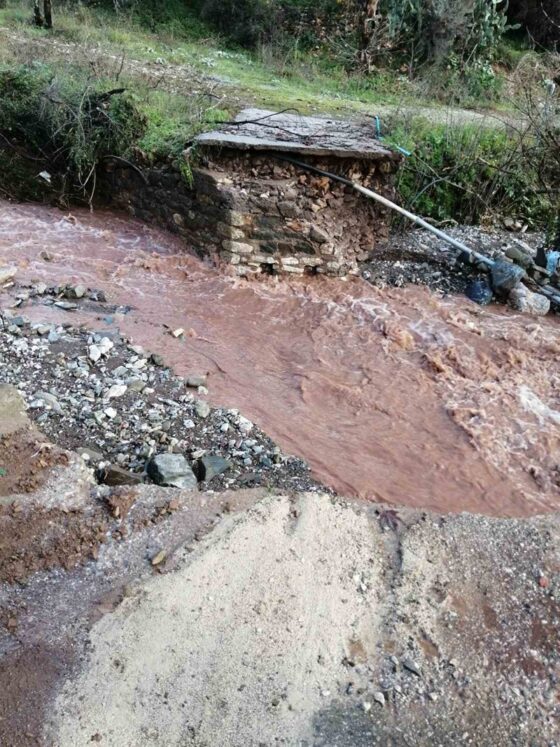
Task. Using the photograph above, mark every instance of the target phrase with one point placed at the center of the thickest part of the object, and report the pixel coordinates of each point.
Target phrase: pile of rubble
(129, 416)
(521, 268)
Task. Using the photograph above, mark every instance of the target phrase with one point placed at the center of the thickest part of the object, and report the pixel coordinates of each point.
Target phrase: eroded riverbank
(396, 395)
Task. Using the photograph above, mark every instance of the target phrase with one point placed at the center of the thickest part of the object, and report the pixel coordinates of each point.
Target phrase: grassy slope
(186, 78)
(304, 82)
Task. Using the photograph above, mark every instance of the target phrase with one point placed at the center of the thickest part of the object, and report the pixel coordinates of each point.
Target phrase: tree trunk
(47, 6)
(37, 17)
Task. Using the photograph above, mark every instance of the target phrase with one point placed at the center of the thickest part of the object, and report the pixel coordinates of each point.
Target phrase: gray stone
(210, 466)
(237, 247)
(412, 666)
(157, 360)
(505, 276)
(196, 380)
(75, 291)
(520, 257)
(172, 470)
(50, 400)
(202, 408)
(318, 235)
(523, 300)
(66, 305)
(90, 455)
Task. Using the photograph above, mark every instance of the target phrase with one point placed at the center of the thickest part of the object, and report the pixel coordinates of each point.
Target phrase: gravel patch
(119, 406)
(419, 257)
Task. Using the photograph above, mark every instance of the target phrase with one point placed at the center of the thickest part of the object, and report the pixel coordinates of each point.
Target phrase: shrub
(467, 174)
(541, 19)
(67, 125)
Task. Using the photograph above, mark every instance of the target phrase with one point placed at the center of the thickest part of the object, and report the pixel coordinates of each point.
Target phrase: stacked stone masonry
(263, 215)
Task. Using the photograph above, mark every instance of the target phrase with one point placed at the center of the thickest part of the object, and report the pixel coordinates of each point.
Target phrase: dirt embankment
(146, 615)
(300, 620)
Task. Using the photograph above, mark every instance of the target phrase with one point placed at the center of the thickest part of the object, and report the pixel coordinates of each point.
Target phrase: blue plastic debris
(552, 260)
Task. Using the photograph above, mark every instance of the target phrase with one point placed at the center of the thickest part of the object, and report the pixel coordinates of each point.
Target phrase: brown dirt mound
(35, 539)
(25, 461)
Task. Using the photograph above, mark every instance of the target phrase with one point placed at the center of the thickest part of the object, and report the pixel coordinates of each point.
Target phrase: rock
(210, 466)
(412, 667)
(480, 292)
(506, 276)
(244, 425)
(77, 291)
(523, 300)
(7, 274)
(90, 455)
(202, 408)
(172, 470)
(94, 353)
(157, 359)
(139, 364)
(195, 380)
(105, 345)
(136, 385)
(117, 390)
(379, 698)
(66, 305)
(158, 558)
(520, 257)
(178, 332)
(115, 475)
(318, 235)
(49, 400)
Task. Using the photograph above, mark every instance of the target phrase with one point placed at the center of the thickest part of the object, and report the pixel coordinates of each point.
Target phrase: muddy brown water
(393, 395)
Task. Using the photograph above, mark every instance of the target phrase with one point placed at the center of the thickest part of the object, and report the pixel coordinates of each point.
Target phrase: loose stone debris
(130, 417)
(420, 258)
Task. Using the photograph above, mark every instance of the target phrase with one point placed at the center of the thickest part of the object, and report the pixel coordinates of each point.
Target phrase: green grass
(454, 172)
(271, 80)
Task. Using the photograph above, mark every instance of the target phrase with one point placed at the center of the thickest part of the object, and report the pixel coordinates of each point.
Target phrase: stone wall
(260, 214)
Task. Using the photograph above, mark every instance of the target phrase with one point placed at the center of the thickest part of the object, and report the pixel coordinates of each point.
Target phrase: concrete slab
(260, 129)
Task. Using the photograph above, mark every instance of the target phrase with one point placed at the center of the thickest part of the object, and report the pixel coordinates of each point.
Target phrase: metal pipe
(546, 290)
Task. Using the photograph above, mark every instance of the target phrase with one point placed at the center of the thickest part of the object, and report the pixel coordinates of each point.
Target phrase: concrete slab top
(259, 130)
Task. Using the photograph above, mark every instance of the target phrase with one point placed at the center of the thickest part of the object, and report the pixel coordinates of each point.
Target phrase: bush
(67, 125)
(540, 18)
(468, 174)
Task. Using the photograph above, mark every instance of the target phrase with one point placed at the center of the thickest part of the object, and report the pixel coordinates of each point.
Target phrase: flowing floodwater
(394, 395)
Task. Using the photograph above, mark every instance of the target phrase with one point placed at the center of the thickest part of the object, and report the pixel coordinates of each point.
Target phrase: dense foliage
(65, 126)
(468, 174)
(541, 19)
